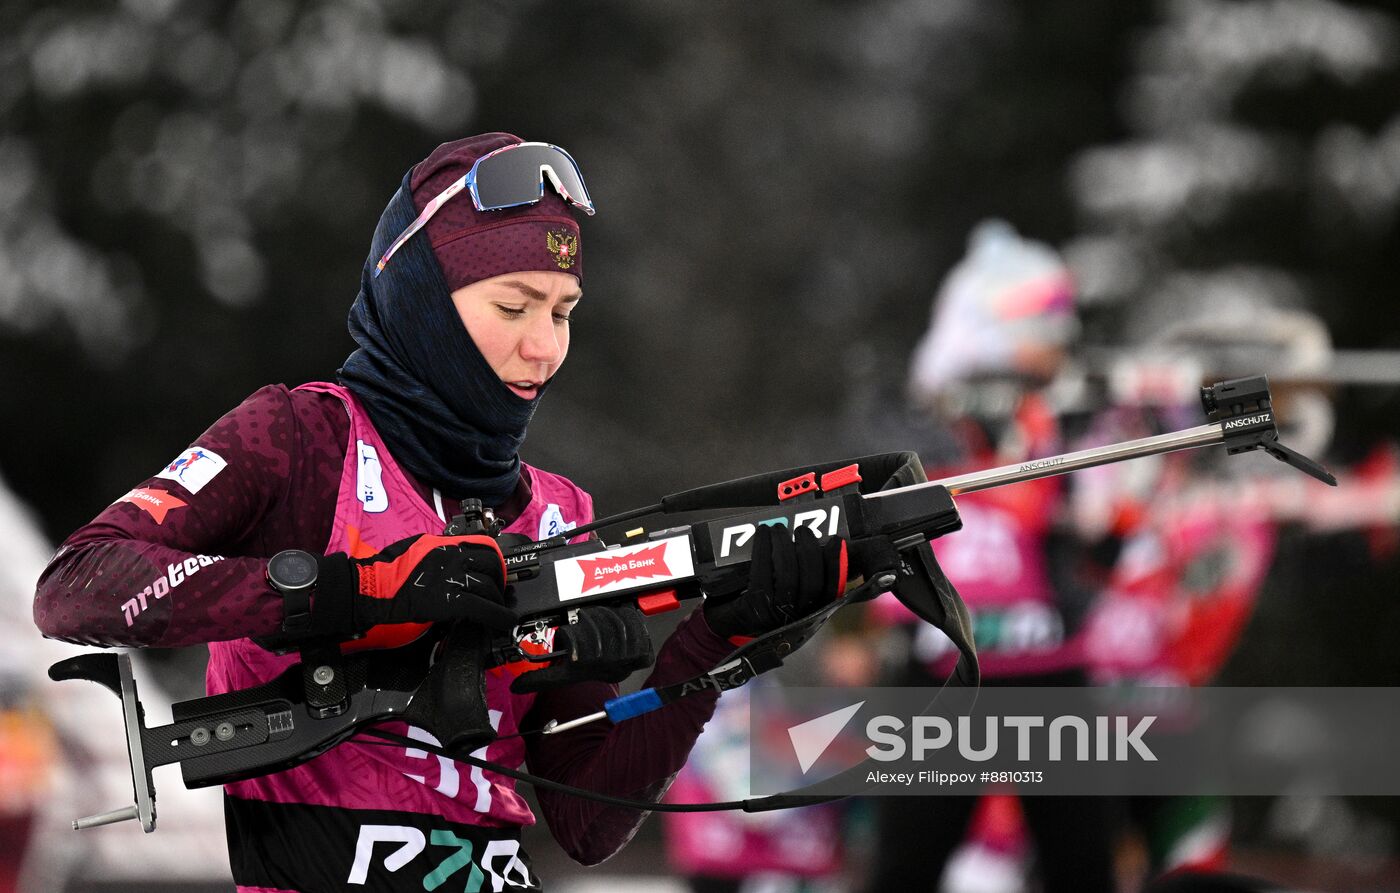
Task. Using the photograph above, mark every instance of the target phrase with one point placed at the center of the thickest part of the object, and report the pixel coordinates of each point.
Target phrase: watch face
(292, 569)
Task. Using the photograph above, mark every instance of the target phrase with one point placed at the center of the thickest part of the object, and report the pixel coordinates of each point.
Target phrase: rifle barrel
(1190, 438)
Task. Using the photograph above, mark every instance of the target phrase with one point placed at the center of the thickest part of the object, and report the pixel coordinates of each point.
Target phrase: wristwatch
(293, 572)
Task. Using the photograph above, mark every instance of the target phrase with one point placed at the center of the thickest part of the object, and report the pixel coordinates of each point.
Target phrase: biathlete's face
(520, 323)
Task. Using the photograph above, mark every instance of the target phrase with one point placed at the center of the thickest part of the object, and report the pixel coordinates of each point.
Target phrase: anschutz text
(1043, 463)
(1244, 423)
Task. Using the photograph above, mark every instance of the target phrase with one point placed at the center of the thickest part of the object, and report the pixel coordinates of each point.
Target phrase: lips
(526, 390)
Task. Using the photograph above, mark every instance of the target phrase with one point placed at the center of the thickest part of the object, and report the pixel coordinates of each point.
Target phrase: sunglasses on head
(507, 178)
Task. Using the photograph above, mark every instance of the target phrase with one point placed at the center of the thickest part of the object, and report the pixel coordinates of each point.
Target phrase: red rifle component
(841, 477)
(658, 602)
(807, 483)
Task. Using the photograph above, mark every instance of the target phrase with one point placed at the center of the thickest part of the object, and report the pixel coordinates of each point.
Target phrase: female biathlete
(462, 321)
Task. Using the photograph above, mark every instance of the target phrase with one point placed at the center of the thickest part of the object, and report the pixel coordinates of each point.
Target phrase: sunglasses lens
(517, 175)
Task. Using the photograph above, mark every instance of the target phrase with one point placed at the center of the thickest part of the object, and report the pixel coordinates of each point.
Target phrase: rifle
(437, 682)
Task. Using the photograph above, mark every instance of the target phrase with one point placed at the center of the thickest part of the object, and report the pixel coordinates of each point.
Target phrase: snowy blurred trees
(187, 191)
(188, 188)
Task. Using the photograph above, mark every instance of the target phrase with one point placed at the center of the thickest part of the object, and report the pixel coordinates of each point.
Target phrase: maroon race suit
(165, 567)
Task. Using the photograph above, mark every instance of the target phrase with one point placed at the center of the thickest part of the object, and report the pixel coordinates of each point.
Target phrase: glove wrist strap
(332, 604)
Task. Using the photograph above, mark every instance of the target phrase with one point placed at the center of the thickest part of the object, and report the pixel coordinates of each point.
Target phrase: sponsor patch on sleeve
(194, 468)
(161, 586)
(156, 503)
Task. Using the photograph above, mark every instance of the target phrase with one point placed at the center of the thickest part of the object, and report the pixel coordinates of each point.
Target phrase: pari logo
(1026, 739)
(625, 568)
(382, 850)
(732, 541)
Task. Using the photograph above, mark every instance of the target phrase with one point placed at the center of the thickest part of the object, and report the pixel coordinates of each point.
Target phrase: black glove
(605, 644)
(420, 579)
(790, 576)
(873, 556)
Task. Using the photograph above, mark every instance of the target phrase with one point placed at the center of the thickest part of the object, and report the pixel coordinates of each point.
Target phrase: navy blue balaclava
(441, 409)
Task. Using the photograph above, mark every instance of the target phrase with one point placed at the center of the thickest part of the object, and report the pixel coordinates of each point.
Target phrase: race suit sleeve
(181, 559)
(637, 758)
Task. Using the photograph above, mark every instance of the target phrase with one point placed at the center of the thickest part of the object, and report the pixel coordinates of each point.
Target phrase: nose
(540, 343)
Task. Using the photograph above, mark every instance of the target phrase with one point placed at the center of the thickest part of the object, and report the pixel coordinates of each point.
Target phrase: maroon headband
(472, 245)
